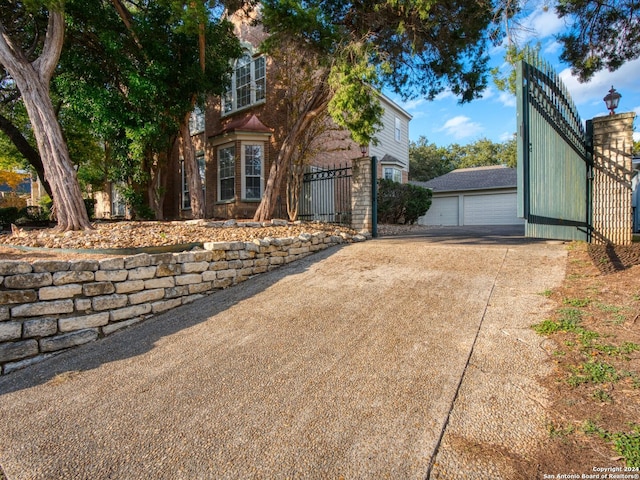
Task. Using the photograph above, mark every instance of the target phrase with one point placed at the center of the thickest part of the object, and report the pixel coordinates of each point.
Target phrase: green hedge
(401, 202)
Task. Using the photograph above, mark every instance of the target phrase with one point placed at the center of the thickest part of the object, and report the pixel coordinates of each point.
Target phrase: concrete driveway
(395, 358)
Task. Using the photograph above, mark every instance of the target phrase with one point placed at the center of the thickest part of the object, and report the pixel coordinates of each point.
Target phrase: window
(398, 130)
(186, 197)
(252, 167)
(394, 174)
(248, 84)
(196, 121)
(226, 173)
(118, 206)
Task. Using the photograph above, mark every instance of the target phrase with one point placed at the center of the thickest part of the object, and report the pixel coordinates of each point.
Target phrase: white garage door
(494, 209)
(443, 211)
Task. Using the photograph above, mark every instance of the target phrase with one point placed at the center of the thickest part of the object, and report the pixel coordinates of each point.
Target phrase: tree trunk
(315, 106)
(27, 151)
(294, 187)
(32, 79)
(192, 172)
(157, 185)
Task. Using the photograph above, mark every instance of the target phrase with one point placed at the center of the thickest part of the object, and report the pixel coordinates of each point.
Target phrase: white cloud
(636, 136)
(506, 136)
(507, 99)
(461, 127)
(412, 105)
(592, 92)
(444, 95)
(488, 93)
(541, 23)
(552, 48)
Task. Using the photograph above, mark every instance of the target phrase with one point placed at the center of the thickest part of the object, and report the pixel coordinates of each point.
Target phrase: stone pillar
(361, 196)
(612, 153)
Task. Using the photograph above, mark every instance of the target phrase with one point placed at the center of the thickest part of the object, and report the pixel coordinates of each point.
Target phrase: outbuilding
(473, 196)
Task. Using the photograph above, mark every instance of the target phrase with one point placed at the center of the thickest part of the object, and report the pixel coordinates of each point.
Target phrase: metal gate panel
(554, 168)
(326, 195)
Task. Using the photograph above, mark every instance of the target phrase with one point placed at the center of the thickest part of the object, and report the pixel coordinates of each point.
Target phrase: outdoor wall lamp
(363, 150)
(611, 100)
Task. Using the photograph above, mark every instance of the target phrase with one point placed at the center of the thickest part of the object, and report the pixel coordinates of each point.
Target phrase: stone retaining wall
(50, 306)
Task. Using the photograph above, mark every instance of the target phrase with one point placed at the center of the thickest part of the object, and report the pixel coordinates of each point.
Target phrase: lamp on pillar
(363, 150)
(612, 99)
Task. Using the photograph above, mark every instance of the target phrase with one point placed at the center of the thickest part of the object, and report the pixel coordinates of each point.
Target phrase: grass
(595, 368)
(626, 444)
(576, 302)
(595, 372)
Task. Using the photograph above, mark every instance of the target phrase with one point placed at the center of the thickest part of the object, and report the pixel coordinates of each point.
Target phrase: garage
(444, 211)
(491, 209)
(473, 196)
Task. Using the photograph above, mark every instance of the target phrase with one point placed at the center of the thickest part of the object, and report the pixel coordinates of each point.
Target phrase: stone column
(612, 154)
(361, 196)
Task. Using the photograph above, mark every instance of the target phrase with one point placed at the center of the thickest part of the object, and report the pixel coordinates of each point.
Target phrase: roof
(248, 123)
(478, 178)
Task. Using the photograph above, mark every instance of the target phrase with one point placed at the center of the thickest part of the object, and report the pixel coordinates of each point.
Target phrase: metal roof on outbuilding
(478, 178)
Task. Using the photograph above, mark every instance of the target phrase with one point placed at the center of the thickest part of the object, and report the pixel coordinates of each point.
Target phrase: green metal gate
(554, 156)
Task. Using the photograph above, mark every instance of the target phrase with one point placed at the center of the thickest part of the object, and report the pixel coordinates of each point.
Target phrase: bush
(8, 216)
(90, 205)
(401, 203)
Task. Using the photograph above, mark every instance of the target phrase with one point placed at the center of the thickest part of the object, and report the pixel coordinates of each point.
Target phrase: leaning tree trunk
(27, 151)
(32, 79)
(316, 105)
(192, 171)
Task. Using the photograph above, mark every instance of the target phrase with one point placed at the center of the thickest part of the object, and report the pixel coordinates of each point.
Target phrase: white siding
(387, 143)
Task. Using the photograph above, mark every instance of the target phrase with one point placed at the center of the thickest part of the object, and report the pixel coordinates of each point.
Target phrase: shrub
(401, 203)
(8, 216)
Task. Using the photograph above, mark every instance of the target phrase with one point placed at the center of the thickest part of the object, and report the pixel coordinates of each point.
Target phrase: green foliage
(627, 444)
(135, 200)
(427, 161)
(9, 215)
(576, 302)
(593, 372)
(134, 84)
(406, 46)
(401, 203)
(354, 104)
(418, 203)
(600, 35)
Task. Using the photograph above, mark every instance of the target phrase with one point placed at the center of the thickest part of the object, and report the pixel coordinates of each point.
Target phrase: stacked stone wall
(50, 306)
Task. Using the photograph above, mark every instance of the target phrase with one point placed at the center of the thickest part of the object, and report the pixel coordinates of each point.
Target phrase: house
(237, 137)
(473, 196)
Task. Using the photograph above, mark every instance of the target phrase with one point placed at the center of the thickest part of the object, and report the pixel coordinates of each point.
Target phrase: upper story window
(398, 129)
(196, 121)
(248, 84)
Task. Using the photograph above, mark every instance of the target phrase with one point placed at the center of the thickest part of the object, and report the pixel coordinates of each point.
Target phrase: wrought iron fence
(326, 195)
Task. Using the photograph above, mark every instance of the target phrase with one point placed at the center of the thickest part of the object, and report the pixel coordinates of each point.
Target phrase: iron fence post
(374, 196)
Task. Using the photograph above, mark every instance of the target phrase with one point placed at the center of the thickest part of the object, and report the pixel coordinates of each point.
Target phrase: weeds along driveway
(393, 358)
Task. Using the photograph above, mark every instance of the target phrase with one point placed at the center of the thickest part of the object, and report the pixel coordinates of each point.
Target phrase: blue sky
(443, 121)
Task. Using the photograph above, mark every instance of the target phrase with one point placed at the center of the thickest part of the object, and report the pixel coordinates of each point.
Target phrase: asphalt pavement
(399, 357)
